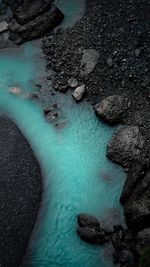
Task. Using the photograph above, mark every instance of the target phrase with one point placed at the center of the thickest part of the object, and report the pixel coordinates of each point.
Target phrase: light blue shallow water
(77, 176)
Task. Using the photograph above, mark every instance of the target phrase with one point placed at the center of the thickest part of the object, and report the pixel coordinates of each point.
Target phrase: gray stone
(3, 26)
(89, 60)
(79, 92)
(72, 82)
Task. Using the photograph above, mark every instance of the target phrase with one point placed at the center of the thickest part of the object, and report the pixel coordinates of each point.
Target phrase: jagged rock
(135, 174)
(3, 26)
(111, 109)
(79, 92)
(137, 207)
(92, 235)
(37, 27)
(123, 257)
(28, 10)
(20, 193)
(87, 220)
(143, 238)
(125, 146)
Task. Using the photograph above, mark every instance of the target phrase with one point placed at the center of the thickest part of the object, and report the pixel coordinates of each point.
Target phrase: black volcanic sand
(120, 31)
(20, 193)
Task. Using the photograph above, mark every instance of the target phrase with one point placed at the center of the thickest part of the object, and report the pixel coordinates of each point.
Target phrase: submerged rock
(79, 92)
(20, 193)
(15, 90)
(125, 146)
(111, 109)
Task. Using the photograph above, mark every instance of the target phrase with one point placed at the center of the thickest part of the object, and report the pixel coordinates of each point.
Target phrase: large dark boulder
(90, 230)
(37, 27)
(137, 207)
(87, 220)
(135, 174)
(143, 238)
(125, 146)
(20, 193)
(92, 235)
(28, 10)
(112, 109)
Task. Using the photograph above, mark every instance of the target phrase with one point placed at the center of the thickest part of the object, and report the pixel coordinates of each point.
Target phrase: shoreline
(110, 58)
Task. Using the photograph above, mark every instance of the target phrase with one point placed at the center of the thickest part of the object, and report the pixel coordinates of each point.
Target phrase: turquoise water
(77, 176)
(72, 9)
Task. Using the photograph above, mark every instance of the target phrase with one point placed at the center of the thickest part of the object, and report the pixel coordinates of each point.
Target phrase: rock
(15, 90)
(135, 174)
(3, 26)
(143, 238)
(137, 207)
(72, 82)
(92, 235)
(47, 110)
(79, 92)
(89, 60)
(125, 146)
(137, 52)
(111, 109)
(28, 10)
(60, 84)
(20, 193)
(37, 27)
(33, 96)
(109, 62)
(124, 257)
(87, 220)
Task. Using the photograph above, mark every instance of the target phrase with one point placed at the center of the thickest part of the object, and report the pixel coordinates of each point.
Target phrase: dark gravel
(119, 30)
(20, 193)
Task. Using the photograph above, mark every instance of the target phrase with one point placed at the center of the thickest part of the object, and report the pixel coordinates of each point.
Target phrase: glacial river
(77, 175)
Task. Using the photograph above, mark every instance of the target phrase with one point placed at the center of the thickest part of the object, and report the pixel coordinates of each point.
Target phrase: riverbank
(108, 53)
(20, 193)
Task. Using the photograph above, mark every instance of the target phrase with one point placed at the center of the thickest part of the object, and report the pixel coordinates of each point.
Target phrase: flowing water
(77, 176)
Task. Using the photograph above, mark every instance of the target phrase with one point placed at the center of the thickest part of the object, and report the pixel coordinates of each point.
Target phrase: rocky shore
(108, 55)
(27, 20)
(20, 193)
(107, 62)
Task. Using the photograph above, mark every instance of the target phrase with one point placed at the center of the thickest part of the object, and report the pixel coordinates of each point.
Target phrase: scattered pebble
(72, 82)
(109, 62)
